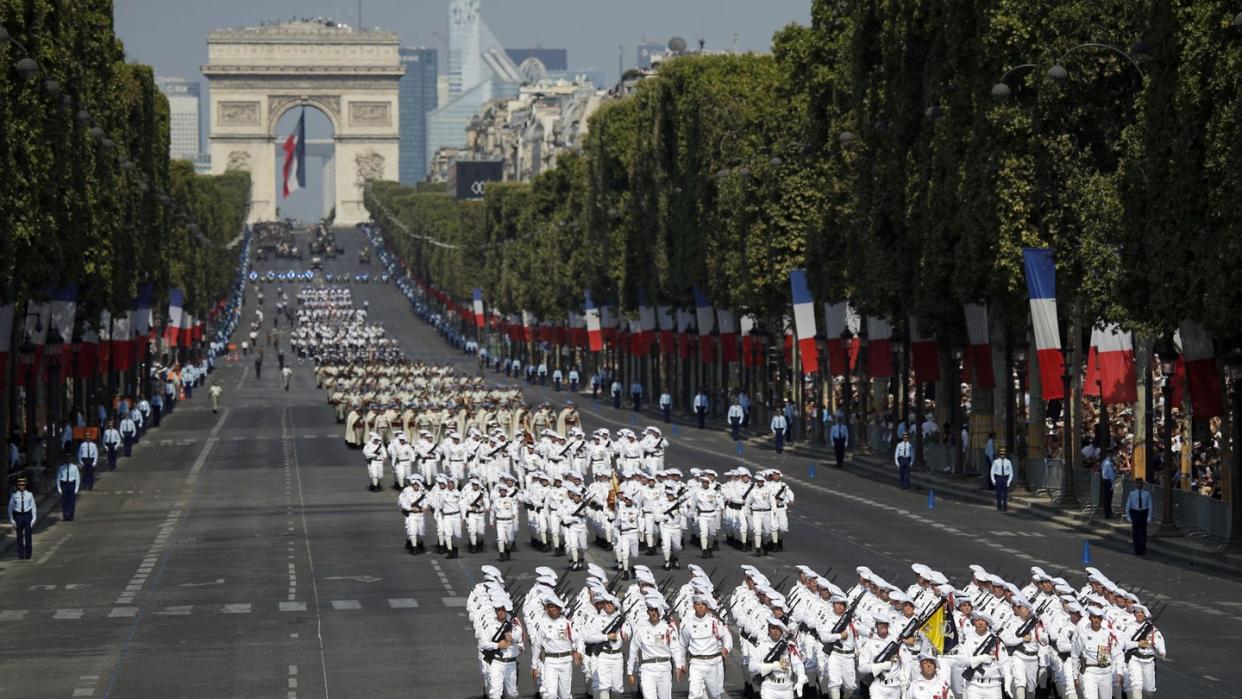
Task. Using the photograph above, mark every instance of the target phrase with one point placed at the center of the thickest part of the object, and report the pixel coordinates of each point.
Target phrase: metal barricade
(1191, 511)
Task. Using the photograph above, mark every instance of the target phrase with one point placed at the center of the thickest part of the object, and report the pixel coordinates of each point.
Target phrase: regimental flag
(295, 158)
(1041, 282)
(1110, 365)
(479, 320)
(879, 348)
(1199, 362)
(172, 331)
(804, 320)
(924, 355)
(978, 355)
(939, 629)
(595, 332)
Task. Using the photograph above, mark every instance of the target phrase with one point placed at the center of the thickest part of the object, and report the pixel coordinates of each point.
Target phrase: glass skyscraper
(417, 97)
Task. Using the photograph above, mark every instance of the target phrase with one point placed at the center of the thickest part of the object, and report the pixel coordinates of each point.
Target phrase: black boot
(408, 545)
(676, 563)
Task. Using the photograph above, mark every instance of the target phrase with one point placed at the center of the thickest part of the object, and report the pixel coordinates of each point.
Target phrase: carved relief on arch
(370, 166)
(239, 161)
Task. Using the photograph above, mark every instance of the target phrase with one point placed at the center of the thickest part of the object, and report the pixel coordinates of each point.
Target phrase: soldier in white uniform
(671, 516)
(655, 649)
(1142, 646)
(707, 504)
(1098, 651)
(555, 649)
(707, 641)
(374, 453)
(402, 456)
(782, 498)
(889, 677)
(781, 676)
(413, 503)
(930, 682)
(758, 508)
(628, 527)
(606, 645)
(836, 664)
(476, 506)
(450, 516)
(504, 516)
(571, 519)
(501, 642)
(986, 662)
(424, 450)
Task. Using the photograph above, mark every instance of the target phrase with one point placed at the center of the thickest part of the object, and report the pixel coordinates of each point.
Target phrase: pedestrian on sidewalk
(779, 426)
(735, 420)
(286, 374)
(636, 393)
(129, 431)
(573, 379)
(700, 406)
(111, 442)
(1002, 479)
(616, 395)
(1108, 474)
(989, 455)
(88, 454)
(157, 408)
(68, 482)
(215, 392)
(666, 406)
(557, 377)
(791, 416)
(1138, 511)
(144, 409)
(22, 514)
(543, 373)
(904, 458)
(743, 399)
(840, 435)
(258, 364)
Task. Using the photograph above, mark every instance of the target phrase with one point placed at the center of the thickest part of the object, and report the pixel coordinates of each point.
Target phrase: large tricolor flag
(172, 331)
(924, 354)
(1110, 365)
(1199, 360)
(142, 307)
(595, 331)
(64, 308)
(668, 327)
(879, 347)
(6, 339)
(978, 355)
(479, 320)
(646, 324)
(295, 158)
(1041, 282)
(726, 323)
(804, 320)
(705, 320)
(836, 331)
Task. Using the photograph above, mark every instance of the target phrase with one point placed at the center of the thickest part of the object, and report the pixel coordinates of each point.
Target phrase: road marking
(343, 604)
(12, 615)
(123, 612)
(403, 603)
(177, 610)
(52, 551)
(68, 614)
(291, 458)
(453, 601)
(292, 606)
(243, 608)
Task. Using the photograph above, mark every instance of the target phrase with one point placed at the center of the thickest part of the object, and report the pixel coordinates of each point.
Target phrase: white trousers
(506, 531)
(609, 674)
(670, 540)
(1141, 675)
(887, 691)
(706, 678)
(476, 526)
(1025, 671)
(989, 691)
(781, 519)
(375, 469)
(450, 528)
(1097, 683)
(401, 471)
(838, 671)
(556, 678)
(502, 680)
(415, 527)
(655, 681)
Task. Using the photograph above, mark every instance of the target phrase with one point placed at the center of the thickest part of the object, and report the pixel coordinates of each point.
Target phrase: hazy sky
(171, 35)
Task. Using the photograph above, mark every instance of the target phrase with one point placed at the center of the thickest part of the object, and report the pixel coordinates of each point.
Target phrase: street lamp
(1168, 367)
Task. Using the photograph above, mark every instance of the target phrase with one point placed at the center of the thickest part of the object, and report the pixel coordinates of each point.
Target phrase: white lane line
(68, 614)
(13, 614)
(403, 603)
(345, 604)
(243, 608)
(52, 551)
(292, 606)
(291, 453)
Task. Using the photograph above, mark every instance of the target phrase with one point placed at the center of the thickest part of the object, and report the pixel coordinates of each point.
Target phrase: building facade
(183, 107)
(418, 96)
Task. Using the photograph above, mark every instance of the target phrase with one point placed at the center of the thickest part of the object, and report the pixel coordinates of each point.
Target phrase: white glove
(830, 637)
(978, 660)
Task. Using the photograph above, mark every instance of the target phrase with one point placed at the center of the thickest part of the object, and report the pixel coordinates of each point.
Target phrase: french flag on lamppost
(64, 308)
(1041, 282)
(295, 158)
(804, 321)
(1110, 365)
(978, 355)
(6, 339)
(479, 320)
(172, 331)
(705, 320)
(646, 323)
(595, 332)
(1198, 362)
(668, 327)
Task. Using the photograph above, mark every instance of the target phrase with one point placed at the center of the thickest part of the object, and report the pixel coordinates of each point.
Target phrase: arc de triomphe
(257, 74)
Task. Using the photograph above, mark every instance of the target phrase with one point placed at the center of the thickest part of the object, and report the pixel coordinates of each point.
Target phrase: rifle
(505, 627)
(778, 649)
(1149, 625)
(419, 501)
(581, 507)
(613, 627)
(843, 622)
(989, 644)
(912, 627)
(676, 505)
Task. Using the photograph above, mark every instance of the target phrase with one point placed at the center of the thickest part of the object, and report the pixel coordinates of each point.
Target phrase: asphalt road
(241, 555)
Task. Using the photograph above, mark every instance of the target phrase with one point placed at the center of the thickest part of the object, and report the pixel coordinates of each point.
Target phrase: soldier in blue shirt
(1138, 511)
(22, 513)
(1108, 473)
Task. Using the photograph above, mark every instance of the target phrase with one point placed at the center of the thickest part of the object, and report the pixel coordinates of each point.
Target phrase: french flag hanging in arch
(1041, 282)
(295, 158)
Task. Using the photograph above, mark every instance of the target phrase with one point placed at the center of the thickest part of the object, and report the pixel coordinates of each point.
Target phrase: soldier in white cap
(555, 649)
(1027, 642)
(1143, 643)
(425, 458)
(604, 634)
(501, 641)
(837, 671)
(930, 682)
(707, 641)
(671, 517)
(758, 509)
(628, 525)
(402, 456)
(504, 516)
(889, 677)
(413, 503)
(775, 664)
(477, 505)
(707, 503)
(374, 453)
(450, 516)
(572, 521)
(655, 650)
(1098, 651)
(986, 662)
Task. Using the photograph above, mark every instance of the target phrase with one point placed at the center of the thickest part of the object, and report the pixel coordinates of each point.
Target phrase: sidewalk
(48, 505)
(1202, 553)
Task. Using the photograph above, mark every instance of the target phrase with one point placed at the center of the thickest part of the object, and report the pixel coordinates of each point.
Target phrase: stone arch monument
(257, 74)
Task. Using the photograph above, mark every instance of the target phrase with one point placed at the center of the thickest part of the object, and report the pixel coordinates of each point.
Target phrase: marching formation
(985, 639)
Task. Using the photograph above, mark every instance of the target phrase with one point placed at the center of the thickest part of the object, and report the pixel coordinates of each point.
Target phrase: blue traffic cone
(1086, 552)
(931, 499)
(740, 448)
(633, 419)
(675, 430)
(810, 471)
